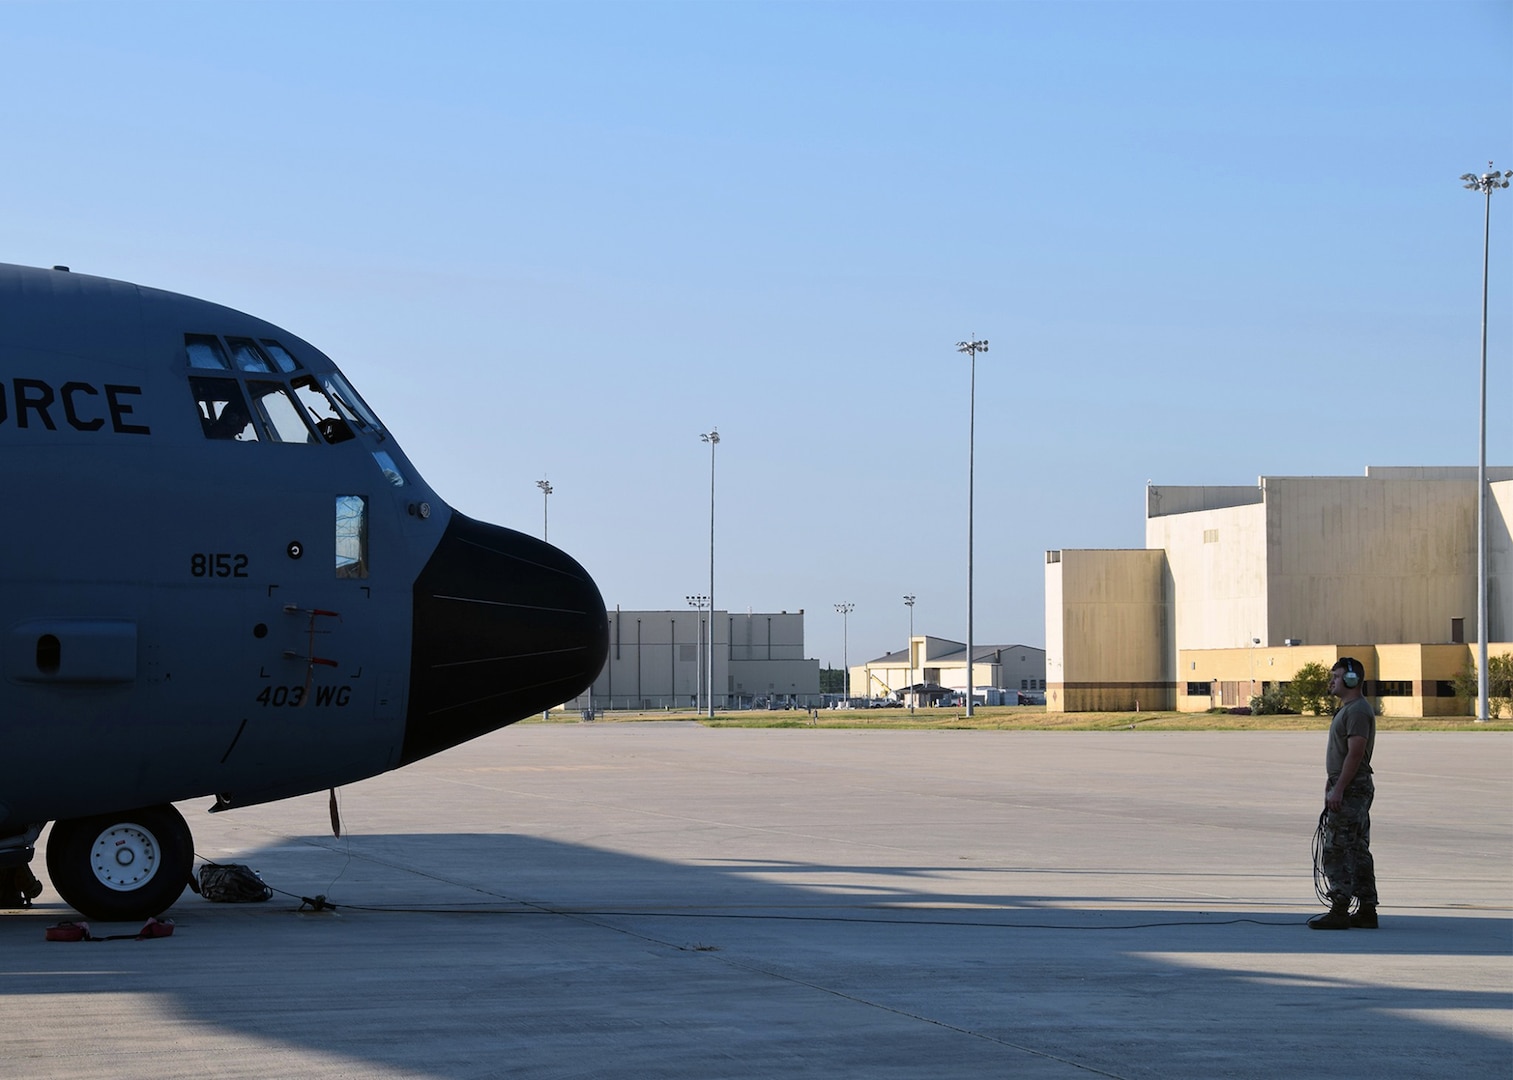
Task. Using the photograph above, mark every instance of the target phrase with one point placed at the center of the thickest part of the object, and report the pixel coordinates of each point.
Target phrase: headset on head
(1352, 674)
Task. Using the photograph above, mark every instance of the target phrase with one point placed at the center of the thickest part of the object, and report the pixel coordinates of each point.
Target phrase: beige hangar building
(942, 664)
(1238, 587)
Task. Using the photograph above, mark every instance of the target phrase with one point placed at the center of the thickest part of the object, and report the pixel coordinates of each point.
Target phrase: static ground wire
(527, 907)
(538, 909)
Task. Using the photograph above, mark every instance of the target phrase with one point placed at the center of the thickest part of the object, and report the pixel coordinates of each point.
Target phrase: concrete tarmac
(664, 900)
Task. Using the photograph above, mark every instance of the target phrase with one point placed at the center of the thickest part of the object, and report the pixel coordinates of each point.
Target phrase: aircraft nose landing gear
(115, 867)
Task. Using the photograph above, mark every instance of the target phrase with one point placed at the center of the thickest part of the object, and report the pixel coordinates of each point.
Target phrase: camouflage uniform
(1347, 831)
(1347, 845)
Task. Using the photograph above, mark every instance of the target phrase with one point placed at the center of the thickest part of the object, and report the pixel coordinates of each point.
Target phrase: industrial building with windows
(657, 660)
(1238, 587)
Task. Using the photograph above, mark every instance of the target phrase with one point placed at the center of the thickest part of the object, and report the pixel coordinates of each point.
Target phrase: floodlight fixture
(546, 489)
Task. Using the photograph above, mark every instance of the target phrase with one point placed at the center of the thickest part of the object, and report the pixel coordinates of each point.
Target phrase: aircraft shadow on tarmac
(443, 948)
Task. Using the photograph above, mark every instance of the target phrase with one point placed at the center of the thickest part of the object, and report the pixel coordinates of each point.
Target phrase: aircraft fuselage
(222, 576)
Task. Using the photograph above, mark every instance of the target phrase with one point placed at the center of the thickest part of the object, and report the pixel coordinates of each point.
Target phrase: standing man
(1347, 801)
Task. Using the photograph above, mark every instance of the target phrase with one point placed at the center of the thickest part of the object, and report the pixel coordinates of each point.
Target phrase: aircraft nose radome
(505, 625)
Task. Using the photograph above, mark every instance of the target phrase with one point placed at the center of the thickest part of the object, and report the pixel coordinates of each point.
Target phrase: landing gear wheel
(126, 866)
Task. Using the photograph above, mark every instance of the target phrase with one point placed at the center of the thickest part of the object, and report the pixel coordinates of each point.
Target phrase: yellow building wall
(1107, 631)
(1390, 559)
(1236, 675)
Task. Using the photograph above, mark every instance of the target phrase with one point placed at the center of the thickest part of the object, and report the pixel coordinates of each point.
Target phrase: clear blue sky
(1208, 241)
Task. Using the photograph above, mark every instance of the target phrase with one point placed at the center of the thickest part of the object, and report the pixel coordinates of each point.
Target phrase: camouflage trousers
(1347, 846)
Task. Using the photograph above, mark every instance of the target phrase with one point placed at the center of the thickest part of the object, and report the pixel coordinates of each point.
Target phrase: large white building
(657, 661)
(1239, 586)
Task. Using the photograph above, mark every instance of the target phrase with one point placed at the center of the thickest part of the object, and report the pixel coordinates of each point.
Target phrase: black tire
(115, 867)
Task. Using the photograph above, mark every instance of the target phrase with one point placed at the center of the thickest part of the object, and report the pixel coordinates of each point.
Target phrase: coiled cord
(1320, 879)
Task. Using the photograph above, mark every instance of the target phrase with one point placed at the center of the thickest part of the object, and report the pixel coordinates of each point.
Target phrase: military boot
(1336, 918)
(18, 887)
(1364, 917)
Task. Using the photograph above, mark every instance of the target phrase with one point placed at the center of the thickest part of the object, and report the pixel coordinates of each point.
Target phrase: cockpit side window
(281, 416)
(351, 536)
(223, 409)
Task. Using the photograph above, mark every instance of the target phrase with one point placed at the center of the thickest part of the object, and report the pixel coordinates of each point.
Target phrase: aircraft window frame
(287, 422)
(199, 347)
(352, 536)
(208, 391)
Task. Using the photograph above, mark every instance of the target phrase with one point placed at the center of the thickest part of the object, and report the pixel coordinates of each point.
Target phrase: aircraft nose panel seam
(509, 604)
(505, 658)
(514, 556)
(514, 690)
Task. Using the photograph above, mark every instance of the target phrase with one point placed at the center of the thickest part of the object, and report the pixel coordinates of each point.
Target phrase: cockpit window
(223, 409)
(328, 419)
(247, 356)
(352, 406)
(205, 352)
(281, 356)
(288, 403)
(281, 416)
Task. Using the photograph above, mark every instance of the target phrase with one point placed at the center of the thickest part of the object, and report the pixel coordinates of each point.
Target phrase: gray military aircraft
(220, 576)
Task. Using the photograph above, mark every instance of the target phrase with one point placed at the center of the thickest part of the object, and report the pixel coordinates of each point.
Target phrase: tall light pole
(845, 610)
(971, 348)
(546, 489)
(1486, 183)
(696, 601)
(712, 437)
(913, 693)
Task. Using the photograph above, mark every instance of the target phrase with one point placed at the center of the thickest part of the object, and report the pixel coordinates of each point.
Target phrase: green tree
(1308, 689)
(1499, 685)
(832, 681)
(1466, 688)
